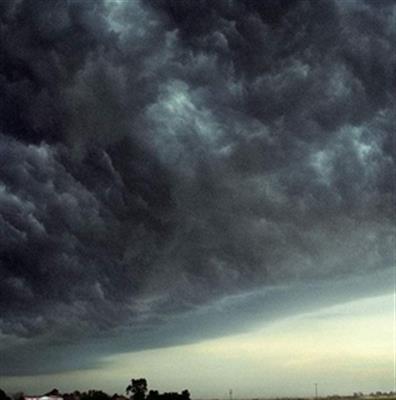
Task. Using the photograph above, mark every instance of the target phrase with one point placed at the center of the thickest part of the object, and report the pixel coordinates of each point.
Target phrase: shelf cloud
(165, 162)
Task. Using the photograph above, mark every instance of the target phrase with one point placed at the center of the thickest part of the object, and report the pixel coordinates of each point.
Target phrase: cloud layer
(162, 159)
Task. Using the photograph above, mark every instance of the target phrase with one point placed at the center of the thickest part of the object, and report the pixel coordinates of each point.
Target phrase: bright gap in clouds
(344, 348)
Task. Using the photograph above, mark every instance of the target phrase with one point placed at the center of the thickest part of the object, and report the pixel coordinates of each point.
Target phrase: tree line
(136, 390)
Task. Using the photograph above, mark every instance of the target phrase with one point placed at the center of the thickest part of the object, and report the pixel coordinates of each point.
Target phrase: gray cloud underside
(171, 171)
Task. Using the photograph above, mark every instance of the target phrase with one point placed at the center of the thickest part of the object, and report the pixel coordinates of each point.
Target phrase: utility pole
(316, 391)
(230, 394)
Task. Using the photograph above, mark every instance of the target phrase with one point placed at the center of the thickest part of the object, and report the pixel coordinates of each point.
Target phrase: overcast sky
(182, 179)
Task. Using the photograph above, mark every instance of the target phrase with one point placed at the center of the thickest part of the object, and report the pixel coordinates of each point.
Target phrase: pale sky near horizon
(344, 348)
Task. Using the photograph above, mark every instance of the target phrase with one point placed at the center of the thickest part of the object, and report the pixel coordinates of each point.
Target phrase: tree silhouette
(185, 394)
(94, 395)
(153, 395)
(3, 395)
(137, 388)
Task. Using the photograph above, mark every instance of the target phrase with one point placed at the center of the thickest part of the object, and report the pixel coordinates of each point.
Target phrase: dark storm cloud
(173, 170)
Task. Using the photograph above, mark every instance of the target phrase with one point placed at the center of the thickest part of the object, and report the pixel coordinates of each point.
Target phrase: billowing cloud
(172, 170)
